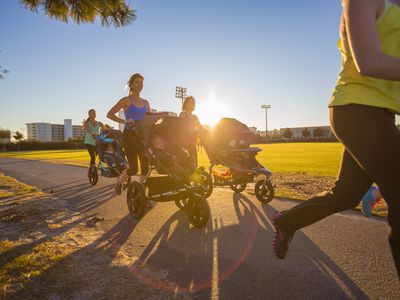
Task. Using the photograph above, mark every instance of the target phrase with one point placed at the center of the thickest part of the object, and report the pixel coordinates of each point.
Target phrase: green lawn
(321, 159)
(73, 157)
(310, 159)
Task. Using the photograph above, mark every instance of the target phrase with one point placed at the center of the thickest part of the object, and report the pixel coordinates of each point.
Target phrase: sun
(211, 110)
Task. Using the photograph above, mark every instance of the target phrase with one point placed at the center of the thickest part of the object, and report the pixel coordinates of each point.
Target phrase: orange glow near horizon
(211, 110)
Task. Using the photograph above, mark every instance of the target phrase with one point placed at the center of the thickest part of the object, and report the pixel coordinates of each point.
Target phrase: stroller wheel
(198, 211)
(238, 187)
(93, 175)
(136, 200)
(264, 191)
(206, 183)
(182, 203)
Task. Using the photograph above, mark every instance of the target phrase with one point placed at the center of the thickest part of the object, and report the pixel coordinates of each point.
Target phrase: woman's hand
(130, 123)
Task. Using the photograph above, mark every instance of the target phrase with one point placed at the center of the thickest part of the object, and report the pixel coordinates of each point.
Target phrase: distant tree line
(286, 136)
(36, 145)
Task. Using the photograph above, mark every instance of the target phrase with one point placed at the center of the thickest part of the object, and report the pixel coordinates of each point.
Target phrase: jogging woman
(92, 128)
(135, 108)
(362, 115)
(188, 106)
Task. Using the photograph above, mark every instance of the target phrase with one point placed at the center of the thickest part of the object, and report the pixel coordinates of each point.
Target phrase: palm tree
(110, 12)
(18, 136)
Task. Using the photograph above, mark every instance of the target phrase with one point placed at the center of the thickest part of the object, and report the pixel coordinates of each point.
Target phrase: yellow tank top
(352, 87)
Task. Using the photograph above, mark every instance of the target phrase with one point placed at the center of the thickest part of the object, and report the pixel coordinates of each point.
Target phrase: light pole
(180, 93)
(266, 107)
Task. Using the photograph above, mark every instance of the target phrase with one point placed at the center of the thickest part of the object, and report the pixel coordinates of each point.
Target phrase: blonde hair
(132, 79)
(187, 101)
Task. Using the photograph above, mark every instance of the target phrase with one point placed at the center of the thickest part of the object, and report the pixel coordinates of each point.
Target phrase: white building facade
(47, 132)
(39, 131)
(68, 129)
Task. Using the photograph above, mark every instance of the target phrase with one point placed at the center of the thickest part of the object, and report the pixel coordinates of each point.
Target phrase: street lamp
(266, 107)
(180, 93)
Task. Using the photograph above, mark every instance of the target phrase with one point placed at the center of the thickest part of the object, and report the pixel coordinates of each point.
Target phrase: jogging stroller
(233, 161)
(112, 157)
(165, 141)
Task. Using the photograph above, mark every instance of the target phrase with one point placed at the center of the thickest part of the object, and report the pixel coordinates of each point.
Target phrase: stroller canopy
(173, 130)
(230, 128)
(227, 134)
(146, 125)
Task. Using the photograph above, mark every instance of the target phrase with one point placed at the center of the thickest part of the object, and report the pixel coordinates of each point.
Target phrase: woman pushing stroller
(92, 128)
(188, 106)
(135, 108)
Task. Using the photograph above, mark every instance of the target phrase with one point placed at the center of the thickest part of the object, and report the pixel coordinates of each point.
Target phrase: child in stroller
(163, 139)
(112, 158)
(177, 159)
(233, 161)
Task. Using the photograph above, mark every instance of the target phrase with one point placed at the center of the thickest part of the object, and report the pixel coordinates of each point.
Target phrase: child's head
(110, 148)
(189, 104)
(157, 142)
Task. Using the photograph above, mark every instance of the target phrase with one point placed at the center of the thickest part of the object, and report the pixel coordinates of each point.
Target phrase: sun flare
(211, 110)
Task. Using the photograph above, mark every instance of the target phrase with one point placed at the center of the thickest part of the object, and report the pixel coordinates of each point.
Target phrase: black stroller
(112, 157)
(228, 146)
(165, 141)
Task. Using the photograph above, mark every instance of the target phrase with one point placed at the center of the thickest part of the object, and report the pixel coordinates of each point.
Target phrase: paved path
(343, 256)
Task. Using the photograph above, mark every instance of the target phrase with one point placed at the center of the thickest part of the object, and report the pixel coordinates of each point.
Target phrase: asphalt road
(343, 256)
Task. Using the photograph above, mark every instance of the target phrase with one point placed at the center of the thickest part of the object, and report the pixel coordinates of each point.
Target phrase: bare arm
(102, 126)
(360, 23)
(146, 103)
(86, 127)
(197, 121)
(115, 109)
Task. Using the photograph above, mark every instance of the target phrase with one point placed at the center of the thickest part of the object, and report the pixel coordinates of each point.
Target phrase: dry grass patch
(47, 251)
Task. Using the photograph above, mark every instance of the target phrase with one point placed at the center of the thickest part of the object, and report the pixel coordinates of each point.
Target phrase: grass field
(305, 159)
(313, 159)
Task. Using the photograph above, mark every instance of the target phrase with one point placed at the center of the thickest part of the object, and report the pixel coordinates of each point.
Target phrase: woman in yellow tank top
(362, 114)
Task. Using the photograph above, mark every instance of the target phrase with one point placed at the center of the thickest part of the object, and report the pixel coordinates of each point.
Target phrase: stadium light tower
(180, 93)
(266, 107)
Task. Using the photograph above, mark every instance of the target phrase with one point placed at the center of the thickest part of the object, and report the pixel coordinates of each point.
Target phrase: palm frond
(110, 12)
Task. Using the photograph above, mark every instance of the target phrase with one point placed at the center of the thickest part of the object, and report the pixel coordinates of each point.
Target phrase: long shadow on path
(225, 260)
(234, 261)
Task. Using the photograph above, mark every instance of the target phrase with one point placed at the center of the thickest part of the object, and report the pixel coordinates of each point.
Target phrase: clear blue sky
(232, 56)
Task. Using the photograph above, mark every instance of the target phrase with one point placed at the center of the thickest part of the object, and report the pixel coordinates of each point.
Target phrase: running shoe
(370, 201)
(282, 239)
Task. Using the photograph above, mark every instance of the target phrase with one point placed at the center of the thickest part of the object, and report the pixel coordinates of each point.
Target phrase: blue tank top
(134, 112)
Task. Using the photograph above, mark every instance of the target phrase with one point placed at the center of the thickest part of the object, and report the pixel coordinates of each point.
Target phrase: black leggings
(192, 150)
(134, 149)
(92, 152)
(371, 154)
